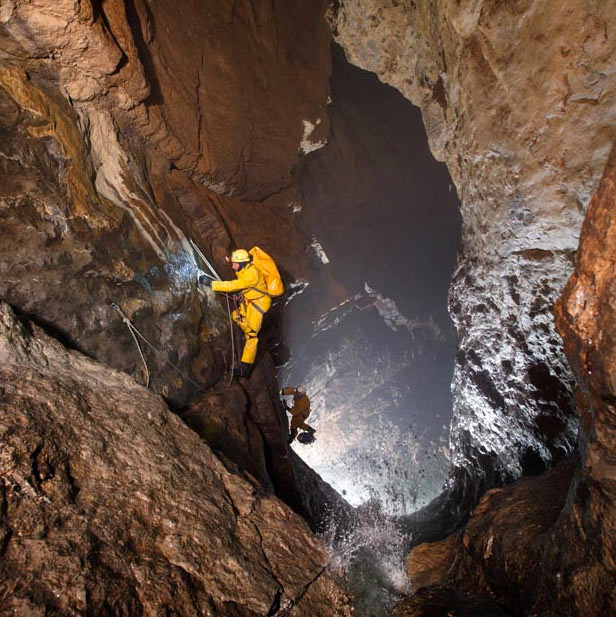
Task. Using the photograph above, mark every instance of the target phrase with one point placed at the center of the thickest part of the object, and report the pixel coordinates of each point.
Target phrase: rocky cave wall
(518, 100)
(546, 545)
(111, 505)
(129, 129)
(119, 144)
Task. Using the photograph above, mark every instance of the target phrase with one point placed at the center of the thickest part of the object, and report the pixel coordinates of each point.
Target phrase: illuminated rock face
(124, 123)
(128, 130)
(518, 100)
(545, 545)
(112, 506)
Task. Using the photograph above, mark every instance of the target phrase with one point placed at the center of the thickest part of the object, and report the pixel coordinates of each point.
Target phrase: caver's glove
(204, 280)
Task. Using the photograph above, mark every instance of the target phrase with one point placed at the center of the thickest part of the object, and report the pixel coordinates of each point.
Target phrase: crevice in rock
(199, 110)
(236, 512)
(275, 607)
(134, 21)
(265, 556)
(51, 329)
(35, 476)
(4, 542)
(298, 598)
(72, 482)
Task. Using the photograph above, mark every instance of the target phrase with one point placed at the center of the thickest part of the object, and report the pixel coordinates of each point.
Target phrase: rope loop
(135, 332)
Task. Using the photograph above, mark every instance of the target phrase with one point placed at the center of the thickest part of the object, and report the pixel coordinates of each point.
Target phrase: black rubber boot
(243, 370)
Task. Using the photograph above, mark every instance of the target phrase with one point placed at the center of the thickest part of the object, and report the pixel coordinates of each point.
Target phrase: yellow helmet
(240, 256)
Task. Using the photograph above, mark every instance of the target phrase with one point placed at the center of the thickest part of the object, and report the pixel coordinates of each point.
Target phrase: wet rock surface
(545, 545)
(498, 555)
(111, 505)
(247, 423)
(518, 100)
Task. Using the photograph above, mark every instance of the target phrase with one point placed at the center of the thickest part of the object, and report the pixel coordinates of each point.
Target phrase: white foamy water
(372, 557)
(381, 437)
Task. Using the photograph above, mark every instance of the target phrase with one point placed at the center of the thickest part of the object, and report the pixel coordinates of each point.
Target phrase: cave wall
(546, 545)
(127, 129)
(130, 128)
(111, 505)
(518, 100)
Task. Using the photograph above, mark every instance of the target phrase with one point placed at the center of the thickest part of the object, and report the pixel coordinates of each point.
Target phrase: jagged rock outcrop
(119, 140)
(518, 100)
(586, 319)
(112, 506)
(497, 557)
(247, 423)
(128, 130)
(545, 546)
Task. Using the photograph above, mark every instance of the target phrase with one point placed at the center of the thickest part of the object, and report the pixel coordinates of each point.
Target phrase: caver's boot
(243, 370)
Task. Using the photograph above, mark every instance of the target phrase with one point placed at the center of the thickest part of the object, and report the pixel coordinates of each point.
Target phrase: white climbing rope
(205, 261)
(135, 331)
(130, 326)
(216, 277)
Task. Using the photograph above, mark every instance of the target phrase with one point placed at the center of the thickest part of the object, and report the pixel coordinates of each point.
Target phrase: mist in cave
(371, 339)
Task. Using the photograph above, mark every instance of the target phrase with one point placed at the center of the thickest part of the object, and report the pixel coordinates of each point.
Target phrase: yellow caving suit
(300, 412)
(255, 303)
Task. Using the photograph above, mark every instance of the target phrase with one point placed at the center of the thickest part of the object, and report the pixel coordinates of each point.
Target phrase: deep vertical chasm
(371, 337)
(519, 100)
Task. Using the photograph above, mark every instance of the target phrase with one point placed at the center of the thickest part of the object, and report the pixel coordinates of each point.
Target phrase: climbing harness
(135, 331)
(254, 305)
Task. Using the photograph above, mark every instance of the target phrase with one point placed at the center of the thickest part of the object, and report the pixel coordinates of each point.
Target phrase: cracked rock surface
(112, 506)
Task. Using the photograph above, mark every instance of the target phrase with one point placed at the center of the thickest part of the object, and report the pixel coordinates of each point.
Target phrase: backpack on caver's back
(267, 266)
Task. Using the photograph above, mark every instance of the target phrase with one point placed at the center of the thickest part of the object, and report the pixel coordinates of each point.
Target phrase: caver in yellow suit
(300, 410)
(255, 302)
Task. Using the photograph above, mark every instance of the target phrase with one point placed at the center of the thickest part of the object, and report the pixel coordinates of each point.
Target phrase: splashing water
(381, 437)
(371, 554)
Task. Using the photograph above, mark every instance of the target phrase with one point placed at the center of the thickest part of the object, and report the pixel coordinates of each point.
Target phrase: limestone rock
(112, 506)
(518, 100)
(498, 556)
(247, 423)
(168, 75)
(586, 316)
(117, 140)
(545, 546)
